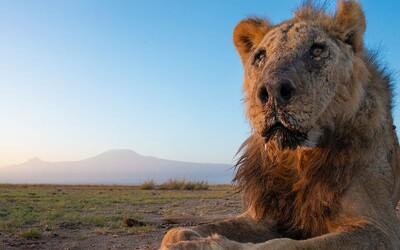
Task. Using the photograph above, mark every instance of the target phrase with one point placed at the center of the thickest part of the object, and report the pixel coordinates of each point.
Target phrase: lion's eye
(259, 58)
(317, 50)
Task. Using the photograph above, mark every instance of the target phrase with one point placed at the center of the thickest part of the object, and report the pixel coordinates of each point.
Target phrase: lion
(321, 168)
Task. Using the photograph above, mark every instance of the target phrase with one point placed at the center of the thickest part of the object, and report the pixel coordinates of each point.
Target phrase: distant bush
(148, 185)
(201, 185)
(175, 184)
(172, 184)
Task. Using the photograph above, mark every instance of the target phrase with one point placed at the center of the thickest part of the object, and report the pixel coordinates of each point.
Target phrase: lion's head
(299, 75)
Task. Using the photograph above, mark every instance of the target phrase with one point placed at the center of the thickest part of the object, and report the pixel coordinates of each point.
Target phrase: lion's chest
(300, 202)
(299, 189)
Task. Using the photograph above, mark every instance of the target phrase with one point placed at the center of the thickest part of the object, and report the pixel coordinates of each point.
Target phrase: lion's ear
(350, 22)
(248, 34)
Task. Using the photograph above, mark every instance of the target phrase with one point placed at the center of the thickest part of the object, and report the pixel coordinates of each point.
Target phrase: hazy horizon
(100, 153)
(119, 167)
(162, 78)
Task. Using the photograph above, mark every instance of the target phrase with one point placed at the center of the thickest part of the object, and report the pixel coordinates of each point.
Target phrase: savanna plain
(107, 217)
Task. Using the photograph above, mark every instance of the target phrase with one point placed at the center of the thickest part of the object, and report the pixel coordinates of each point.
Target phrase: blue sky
(160, 77)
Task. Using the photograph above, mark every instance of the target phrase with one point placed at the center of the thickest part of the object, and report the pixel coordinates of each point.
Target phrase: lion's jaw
(282, 136)
(285, 137)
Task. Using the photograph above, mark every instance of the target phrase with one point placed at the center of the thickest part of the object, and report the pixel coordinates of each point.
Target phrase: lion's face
(292, 76)
(298, 80)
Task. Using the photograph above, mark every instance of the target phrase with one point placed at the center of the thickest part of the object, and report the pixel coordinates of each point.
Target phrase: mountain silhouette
(114, 167)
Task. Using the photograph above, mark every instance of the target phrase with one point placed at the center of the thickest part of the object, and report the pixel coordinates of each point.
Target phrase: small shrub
(148, 185)
(201, 185)
(30, 234)
(172, 184)
(188, 186)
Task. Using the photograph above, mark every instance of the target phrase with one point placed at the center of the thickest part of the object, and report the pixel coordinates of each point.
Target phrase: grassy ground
(42, 212)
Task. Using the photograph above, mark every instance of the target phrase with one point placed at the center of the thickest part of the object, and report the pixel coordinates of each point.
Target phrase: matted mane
(299, 189)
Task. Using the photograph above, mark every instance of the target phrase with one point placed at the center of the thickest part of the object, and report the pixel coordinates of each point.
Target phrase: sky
(162, 78)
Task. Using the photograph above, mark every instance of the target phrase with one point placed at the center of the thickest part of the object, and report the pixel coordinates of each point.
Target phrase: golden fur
(322, 166)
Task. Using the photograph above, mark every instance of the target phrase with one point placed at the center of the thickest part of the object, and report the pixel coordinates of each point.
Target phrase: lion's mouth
(285, 137)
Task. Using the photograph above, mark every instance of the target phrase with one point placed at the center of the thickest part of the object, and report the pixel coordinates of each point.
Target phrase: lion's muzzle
(283, 136)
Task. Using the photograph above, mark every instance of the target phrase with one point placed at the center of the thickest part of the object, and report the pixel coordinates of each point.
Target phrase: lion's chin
(283, 138)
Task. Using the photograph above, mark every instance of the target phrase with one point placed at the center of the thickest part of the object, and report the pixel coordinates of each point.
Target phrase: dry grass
(148, 185)
(175, 184)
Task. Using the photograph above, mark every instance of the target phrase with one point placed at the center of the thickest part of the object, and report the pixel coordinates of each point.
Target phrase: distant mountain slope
(114, 167)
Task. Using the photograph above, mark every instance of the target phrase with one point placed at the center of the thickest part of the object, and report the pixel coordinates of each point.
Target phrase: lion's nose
(284, 90)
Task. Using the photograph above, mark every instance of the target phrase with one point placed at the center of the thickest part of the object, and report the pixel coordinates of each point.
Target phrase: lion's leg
(242, 228)
(362, 237)
(365, 237)
(368, 221)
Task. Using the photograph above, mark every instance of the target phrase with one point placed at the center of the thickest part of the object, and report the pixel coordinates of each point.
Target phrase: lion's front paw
(215, 242)
(178, 235)
(190, 245)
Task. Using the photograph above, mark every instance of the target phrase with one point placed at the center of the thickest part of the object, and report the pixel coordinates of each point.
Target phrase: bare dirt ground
(73, 239)
(167, 209)
(85, 238)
